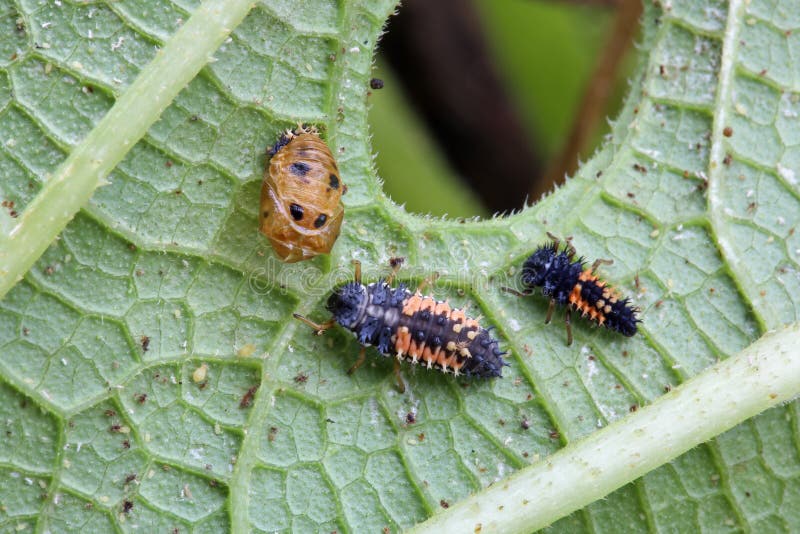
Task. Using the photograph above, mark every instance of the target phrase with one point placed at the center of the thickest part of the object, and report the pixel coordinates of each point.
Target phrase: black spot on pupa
(299, 168)
(265, 214)
(320, 220)
(333, 180)
(297, 211)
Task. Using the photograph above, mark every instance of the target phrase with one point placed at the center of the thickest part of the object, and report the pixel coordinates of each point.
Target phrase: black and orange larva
(412, 327)
(568, 282)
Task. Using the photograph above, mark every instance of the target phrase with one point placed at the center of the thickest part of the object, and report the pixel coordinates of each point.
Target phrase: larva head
(347, 303)
(538, 266)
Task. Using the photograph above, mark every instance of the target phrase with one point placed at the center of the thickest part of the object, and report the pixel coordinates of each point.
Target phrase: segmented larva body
(569, 282)
(598, 302)
(416, 328)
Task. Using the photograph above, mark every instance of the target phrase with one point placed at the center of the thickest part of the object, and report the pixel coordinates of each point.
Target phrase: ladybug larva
(411, 327)
(301, 209)
(566, 281)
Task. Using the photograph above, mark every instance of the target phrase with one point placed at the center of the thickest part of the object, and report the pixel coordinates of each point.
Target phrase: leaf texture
(151, 375)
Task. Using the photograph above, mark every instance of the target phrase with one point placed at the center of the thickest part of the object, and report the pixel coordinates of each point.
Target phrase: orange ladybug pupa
(301, 209)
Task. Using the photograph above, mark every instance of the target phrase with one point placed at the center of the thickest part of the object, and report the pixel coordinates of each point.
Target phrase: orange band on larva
(412, 304)
(403, 343)
(427, 355)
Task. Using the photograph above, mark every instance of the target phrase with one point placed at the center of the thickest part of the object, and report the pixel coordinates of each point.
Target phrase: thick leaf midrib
(715, 169)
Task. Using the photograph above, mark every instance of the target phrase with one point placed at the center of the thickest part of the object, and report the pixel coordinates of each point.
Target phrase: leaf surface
(152, 377)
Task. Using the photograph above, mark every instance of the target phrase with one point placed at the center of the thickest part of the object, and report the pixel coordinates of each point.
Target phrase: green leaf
(152, 377)
(763, 375)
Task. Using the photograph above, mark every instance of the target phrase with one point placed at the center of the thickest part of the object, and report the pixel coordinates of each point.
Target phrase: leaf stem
(763, 375)
(88, 165)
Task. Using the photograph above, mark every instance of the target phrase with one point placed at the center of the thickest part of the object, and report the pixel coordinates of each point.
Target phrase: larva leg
(357, 273)
(568, 326)
(318, 328)
(401, 386)
(598, 262)
(395, 267)
(362, 356)
(511, 290)
(427, 281)
(568, 247)
(550, 309)
(556, 240)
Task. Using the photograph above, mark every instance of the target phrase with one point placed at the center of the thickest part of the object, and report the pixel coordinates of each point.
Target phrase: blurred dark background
(487, 103)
